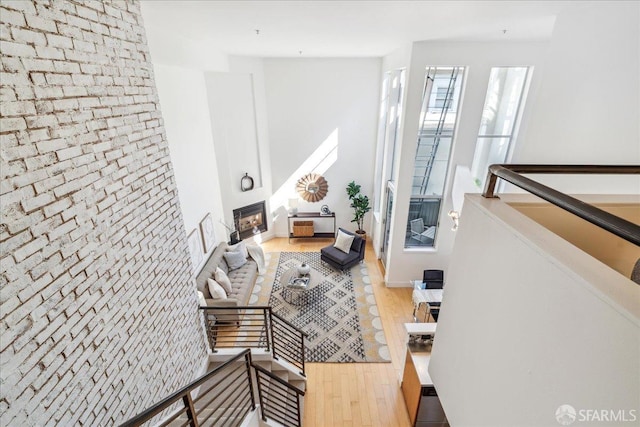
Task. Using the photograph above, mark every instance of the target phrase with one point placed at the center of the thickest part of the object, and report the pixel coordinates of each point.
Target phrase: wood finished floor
(358, 394)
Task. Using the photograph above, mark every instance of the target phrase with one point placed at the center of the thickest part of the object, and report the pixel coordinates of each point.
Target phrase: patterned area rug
(339, 312)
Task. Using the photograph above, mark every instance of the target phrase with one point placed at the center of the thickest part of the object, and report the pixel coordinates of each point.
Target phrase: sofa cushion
(235, 260)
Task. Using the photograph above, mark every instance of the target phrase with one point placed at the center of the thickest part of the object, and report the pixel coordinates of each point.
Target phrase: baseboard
(403, 284)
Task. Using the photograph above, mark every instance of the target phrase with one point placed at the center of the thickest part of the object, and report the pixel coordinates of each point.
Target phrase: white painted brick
(57, 207)
(107, 251)
(49, 52)
(68, 153)
(82, 80)
(40, 23)
(59, 79)
(66, 67)
(7, 94)
(12, 17)
(19, 108)
(28, 36)
(37, 202)
(14, 79)
(83, 46)
(51, 145)
(63, 42)
(49, 92)
(66, 104)
(23, 6)
(8, 124)
(38, 64)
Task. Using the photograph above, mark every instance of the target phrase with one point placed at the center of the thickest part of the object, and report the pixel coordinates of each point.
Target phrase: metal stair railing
(238, 327)
(288, 341)
(255, 327)
(213, 388)
(279, 400)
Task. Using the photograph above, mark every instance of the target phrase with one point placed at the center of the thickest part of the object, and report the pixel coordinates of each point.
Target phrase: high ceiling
(334, 28)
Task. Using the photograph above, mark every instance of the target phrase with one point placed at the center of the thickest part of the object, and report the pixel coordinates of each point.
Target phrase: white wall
(322, 118)
(240, 133)
(179, 65)
(528, 323)
(169, 48)
(588, 106)
(183, 100)
(478, 58)
(583, 107)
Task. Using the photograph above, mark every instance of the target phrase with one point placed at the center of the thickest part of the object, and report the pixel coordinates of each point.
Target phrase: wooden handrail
(614, 224)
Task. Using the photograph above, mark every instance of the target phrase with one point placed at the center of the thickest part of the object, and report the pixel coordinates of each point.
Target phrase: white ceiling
(334, 28)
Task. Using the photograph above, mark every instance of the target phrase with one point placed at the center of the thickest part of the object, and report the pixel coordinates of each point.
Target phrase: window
(438, 118)
(500, 115)
(388, 127)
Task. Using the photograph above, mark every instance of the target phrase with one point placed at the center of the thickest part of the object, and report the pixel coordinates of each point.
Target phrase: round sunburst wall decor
(312, 187)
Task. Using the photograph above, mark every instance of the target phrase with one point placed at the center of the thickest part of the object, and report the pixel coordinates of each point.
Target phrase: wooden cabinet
(313, 216)
(419, 393)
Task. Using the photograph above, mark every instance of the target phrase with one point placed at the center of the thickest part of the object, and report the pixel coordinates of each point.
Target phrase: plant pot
(362, 234)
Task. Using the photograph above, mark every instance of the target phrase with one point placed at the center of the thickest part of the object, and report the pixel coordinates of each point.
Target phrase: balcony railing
(616, 225)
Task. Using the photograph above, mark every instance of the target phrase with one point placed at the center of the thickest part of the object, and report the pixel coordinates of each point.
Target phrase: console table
(311, 215)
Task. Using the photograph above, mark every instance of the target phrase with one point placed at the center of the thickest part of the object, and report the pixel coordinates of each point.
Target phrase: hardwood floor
(358, 394)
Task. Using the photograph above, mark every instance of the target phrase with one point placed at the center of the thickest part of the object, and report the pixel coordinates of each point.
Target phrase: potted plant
(360, 205)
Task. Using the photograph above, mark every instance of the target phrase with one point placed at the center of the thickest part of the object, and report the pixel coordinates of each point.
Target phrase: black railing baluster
(184, 395)
(262, 329)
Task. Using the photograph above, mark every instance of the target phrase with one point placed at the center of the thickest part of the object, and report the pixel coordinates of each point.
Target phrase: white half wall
(323, 119)
(185, 109)
(529, 323)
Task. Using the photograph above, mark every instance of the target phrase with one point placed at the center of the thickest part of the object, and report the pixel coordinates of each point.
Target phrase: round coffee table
(296, 292)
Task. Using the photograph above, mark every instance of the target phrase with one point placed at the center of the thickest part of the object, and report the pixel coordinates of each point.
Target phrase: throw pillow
(216, 291)
(343, 241)
(201, 299)
(235, 259)
(239, 247)
(221, 277)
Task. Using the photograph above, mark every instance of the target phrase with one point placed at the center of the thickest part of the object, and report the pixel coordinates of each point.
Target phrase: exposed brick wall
(98, 316)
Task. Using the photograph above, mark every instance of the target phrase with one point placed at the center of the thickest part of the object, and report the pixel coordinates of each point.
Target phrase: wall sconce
(455, 217)
(246, 182)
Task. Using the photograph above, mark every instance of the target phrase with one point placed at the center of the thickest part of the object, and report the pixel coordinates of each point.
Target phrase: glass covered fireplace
(250, 220)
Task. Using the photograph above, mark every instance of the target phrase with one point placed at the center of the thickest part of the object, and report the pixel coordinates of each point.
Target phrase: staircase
(256, 355)
(280, 387)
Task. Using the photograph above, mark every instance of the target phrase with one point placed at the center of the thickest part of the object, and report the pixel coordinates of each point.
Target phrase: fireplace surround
(251, 220)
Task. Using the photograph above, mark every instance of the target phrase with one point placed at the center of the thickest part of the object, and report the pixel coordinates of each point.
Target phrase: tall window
(500, 115)
(438, 117)
(388, 126)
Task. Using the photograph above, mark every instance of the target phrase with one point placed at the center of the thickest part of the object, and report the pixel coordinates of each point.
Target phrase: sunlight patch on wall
(318, 162)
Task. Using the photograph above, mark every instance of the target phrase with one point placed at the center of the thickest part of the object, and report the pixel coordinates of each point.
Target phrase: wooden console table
(310, 215)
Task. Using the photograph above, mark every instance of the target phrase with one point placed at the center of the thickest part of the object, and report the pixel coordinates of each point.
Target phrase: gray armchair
(340, 260)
